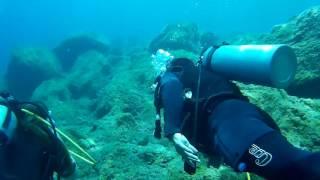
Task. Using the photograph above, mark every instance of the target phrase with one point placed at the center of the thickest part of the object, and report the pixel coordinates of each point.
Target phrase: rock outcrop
(177, 36)
(28, 68)
(69, 50)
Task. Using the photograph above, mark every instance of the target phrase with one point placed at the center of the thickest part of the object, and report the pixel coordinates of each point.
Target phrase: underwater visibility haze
(91, 63)
(46, 23)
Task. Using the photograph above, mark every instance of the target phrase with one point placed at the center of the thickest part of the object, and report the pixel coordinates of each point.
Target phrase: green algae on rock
(298, 118)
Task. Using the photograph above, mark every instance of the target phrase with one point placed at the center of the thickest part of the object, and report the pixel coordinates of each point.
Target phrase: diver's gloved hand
(185, 149)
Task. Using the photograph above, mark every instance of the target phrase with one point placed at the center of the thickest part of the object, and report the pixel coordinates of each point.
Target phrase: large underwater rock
(3, 85)
(303, 34)
(183, 37)
(90, 73)
(208, 39)
(28, 68)
(69, 50)
(177, 36)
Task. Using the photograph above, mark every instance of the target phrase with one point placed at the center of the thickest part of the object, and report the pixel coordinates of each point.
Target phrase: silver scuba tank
(8, 124)
(269, 65)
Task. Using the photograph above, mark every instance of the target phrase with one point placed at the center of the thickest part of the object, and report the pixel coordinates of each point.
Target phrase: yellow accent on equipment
(91, 161)
(248, 176)
(80, 157)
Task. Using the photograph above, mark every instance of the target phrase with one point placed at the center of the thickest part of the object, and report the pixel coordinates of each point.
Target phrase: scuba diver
(205, 111)
(30, 149)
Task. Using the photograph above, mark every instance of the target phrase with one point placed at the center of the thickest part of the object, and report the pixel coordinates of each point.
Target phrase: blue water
(48, 22)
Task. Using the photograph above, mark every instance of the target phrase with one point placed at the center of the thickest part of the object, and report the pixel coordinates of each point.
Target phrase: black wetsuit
(228, 125)
(29, 156)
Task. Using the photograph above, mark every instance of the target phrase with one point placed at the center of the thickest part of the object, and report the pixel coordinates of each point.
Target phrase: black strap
(209, 56)
(48, 170)
(157, 103)
(195, 120)
(53, 154)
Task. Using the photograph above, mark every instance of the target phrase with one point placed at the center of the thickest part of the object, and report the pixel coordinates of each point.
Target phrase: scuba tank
(269, 65)
(8, 118)
(8, 124)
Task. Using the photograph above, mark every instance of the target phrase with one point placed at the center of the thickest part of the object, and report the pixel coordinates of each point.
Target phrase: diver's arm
(172, 101)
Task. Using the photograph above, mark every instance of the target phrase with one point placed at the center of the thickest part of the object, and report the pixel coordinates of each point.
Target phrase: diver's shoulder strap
(157, 101)
(157, 104)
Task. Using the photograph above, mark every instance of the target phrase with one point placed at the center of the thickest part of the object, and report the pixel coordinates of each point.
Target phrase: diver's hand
(185, 149)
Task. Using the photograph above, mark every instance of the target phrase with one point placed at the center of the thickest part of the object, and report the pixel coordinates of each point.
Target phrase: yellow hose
(82, 158)
(75, 144)
(65, 136)
(248, 176)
